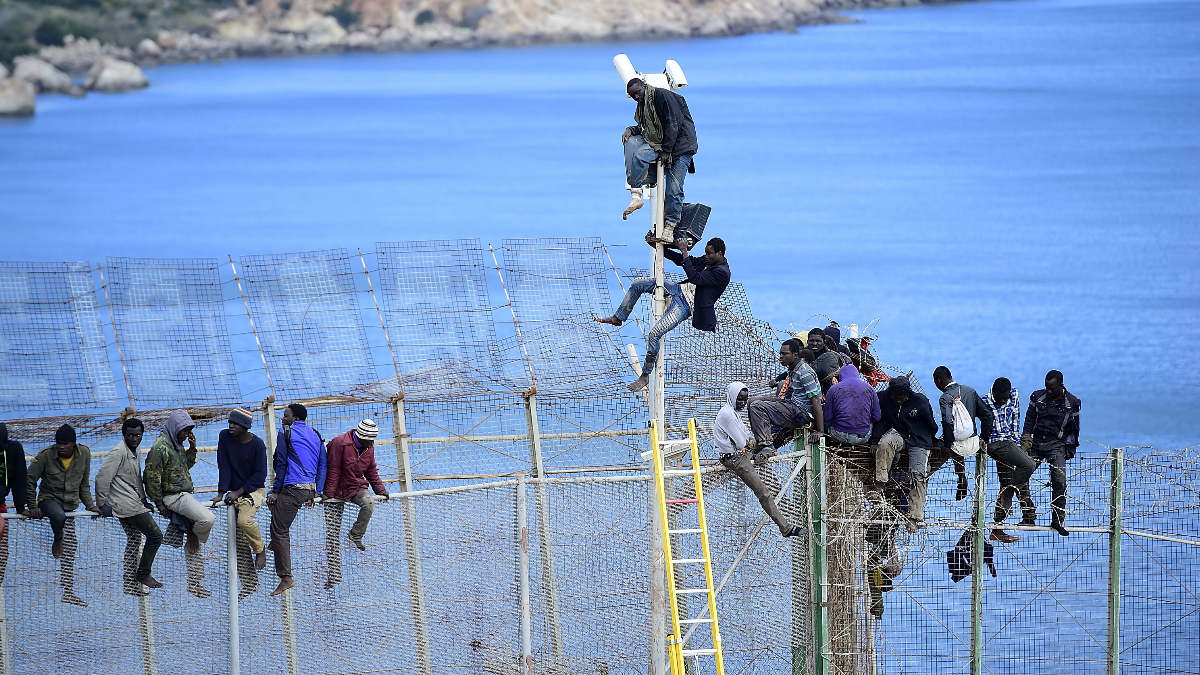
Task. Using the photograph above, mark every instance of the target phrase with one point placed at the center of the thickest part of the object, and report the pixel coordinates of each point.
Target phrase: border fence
(517, 539)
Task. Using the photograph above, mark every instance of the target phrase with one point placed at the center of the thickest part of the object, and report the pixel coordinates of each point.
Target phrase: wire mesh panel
(53, 354)
(436, 305)
(557, 287)
(306, 312)
(469, 438)
(169, 317)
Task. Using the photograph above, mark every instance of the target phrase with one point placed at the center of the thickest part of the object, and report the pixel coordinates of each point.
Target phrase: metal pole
(523, 578)
(116, 339)
(235, 629)
(658, 581)
(5, 660)
(146, 626)
(800, 580)
(412, 552)
(545, 552)
(820, 569)
(382, 324)
(659, 308)
(977, 566)
(269, 430)
(253, 329)
(289, 634)
(1116, 498)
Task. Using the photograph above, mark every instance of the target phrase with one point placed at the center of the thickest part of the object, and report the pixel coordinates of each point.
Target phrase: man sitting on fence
(63, 470)
(241, 481)
(851, 407)
(730, 438)
(168, 479)
(1051, 433)
(352, 475)
(12, 477)
(299, 476)
(960, 406)
(1013, 465)
(708, 275)
(826, 362)
(795, 404)
(120, 492)
(907, 424)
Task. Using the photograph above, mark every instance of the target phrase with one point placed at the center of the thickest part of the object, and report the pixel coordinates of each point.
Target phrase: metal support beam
(545, 551)
(800, 579)
(523, 579)
(269, 430)
(658, 582)
(977, 566)
(1116, 499)
(412, 552)
(291, 655)
(822, 656)
(5, 657)
(146, 627)
(235, 629)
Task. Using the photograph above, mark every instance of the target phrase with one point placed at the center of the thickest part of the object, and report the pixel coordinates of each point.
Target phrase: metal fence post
(235, 628)
(977, 566)
(820, 568)
(5, 660)
(658, 585)
(523, 578)
(291, 654)
(412, 552)
(545, 552)
(146, 626)
(1116, 499)
(269, 430)
(800, 581)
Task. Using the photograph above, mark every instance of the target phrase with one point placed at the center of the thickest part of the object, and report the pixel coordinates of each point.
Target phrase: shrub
(345, 16)
(425, 16)
(53, 29)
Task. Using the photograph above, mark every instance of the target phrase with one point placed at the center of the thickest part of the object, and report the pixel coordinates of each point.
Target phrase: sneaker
(199, 591)
(668, 233)
(635, 203)
(762, 456)
(260, 560)
(284, 584)
(358, 543)
(752, 444)
(1002, 536)
(70, 598)
(1030, 521)
(796, 531)
(148, 581)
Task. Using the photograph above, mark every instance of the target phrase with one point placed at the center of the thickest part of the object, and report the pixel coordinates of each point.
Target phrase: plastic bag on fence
(958, 560)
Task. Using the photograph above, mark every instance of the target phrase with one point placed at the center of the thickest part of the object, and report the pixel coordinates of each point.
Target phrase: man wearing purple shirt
(851, 407)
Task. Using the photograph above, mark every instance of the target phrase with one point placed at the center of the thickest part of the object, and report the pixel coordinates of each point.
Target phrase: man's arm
(876, 411)
(818, 414)
(1073, 426)
(36, 468)
(15, 464)
(702, 276)
(85, 488)
(926, 418)
(224, 470)
(1030, 419)
(281, 453)
(946, 405)
(333, 472)
(665, 108)
(986, 419)
(831, 400)
(104, 477)
(373, 478)
(152, 477)
(259, 477)
(322, 467)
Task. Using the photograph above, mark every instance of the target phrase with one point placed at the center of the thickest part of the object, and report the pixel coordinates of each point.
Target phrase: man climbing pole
(708, 274)
(663, 132)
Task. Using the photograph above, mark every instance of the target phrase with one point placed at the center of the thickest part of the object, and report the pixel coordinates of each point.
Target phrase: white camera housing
(672, 76)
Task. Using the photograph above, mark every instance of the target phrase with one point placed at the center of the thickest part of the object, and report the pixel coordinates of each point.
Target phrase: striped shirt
(1007, 424)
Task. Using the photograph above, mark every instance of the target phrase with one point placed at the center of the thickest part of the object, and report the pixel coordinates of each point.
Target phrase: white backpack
(966, 443)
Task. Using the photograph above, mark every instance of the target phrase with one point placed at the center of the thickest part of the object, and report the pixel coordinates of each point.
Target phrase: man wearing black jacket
(12, 464)
(907, 424)
(707, 277)
(664, 131)
(1051, 433)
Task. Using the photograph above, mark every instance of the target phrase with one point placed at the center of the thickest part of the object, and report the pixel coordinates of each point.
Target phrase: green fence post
(820, 569)
(1116, 497)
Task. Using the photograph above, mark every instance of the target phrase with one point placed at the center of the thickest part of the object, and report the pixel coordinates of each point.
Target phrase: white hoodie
(729, 433)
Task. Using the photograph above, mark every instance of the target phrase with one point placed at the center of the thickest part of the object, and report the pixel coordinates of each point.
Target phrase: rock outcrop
(78, 55)
(16, 97)
(113, 75)
(44, 76)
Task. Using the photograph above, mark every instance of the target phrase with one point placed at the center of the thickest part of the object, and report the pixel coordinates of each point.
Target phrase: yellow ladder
(675, 647)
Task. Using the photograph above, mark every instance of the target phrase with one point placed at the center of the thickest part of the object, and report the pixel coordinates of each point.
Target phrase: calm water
(1008, 187)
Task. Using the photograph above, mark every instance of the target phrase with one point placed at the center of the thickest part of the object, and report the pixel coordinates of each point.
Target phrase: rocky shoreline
(280, 28)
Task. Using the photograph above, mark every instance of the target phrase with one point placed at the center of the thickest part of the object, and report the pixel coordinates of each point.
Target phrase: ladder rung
(691, 530)
(683, 501)
(699, 652)
(687, 561)
(678, 472)
(695, 621)
(691, 591)
(683, 441)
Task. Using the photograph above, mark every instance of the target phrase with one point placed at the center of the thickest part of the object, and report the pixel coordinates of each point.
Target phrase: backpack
(958, 560)
(964, 424)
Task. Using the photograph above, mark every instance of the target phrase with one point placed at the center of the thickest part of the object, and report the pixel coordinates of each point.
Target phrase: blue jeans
(638, 157)
(677, 312)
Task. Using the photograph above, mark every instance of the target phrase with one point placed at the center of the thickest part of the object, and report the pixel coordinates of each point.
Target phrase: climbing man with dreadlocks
(664, 132)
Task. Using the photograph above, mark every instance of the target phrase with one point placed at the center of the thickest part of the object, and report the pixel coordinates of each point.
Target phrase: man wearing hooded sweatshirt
(907, 424)
(664, 131)
(121, 492)
(730, 437)
(63, 470)
(12, 478)
(168, 479)
(851, 408)
(299, 476)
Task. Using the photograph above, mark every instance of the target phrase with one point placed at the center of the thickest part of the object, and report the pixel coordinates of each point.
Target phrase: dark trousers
(141, 526)
(364, 499)
(283, 512)
(1055, 454)
(742, 465)
(54, 511)
(1013, 469)
(64, 531)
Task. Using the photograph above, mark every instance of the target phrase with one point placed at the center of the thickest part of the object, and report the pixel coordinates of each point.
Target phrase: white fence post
(545, 552)
(146, 626)
(235, 629)
(523, 578)
(412, 552)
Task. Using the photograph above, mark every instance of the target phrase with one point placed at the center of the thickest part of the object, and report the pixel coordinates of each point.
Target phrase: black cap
(65, 434)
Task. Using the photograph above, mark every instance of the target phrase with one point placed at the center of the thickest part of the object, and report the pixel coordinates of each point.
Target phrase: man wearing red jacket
(351, 470)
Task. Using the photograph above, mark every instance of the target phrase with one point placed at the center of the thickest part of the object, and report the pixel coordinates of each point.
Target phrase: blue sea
(1002, 187)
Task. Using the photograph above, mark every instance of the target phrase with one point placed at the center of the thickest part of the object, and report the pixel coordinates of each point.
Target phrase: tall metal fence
(518, 536)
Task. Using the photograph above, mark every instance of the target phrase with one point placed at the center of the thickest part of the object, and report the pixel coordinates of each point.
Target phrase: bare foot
(56, 549)
(639, 384)
(610, 320)
(260, 560)
(193, 544)
(284, 584)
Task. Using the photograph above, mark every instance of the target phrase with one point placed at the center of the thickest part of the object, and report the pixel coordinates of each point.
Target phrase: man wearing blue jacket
(707, 278)
(299, 476)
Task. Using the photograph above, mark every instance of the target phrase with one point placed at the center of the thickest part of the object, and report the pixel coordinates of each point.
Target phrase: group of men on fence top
(899, 427)
(56, 483)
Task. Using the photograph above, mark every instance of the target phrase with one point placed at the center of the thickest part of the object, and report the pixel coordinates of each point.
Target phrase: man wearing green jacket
(168, 479)
(63, 470)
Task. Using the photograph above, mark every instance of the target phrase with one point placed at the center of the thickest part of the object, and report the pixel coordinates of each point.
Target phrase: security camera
(672, 76)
